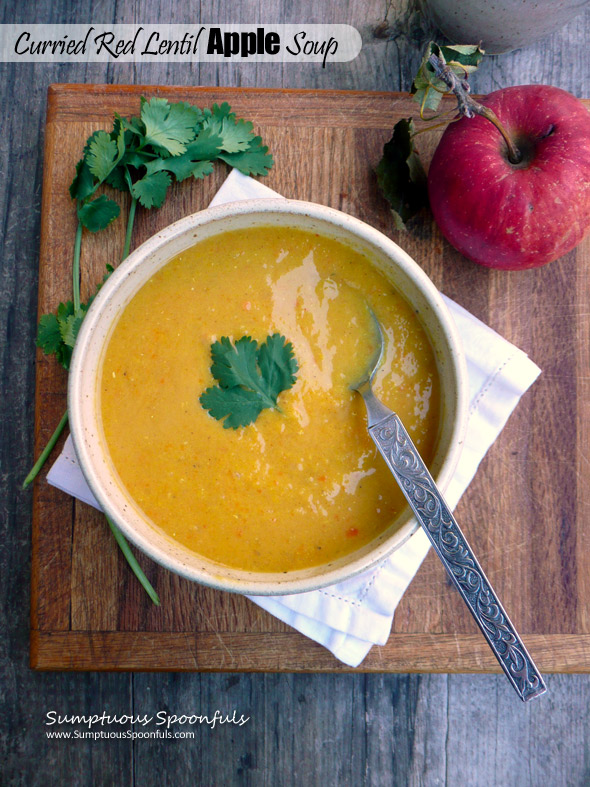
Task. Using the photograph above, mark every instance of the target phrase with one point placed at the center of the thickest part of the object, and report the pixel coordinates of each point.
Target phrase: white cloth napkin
(351, 617)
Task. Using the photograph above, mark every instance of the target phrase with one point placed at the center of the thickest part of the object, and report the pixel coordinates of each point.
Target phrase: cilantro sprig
(167, 142)
(142, 156)
(56, 333)
(250, 378)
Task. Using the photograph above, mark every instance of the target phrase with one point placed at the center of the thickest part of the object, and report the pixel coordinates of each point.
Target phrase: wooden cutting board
(527, 513)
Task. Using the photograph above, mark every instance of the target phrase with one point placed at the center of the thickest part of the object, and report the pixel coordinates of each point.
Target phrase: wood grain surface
(328, 729)
(522, 513)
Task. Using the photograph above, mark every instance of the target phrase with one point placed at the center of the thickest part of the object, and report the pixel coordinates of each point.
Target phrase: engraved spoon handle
(450, 544)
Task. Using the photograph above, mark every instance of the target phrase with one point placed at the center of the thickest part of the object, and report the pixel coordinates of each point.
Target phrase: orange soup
(301, 486)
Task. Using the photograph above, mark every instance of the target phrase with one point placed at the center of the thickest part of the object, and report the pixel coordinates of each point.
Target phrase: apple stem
(468, 106)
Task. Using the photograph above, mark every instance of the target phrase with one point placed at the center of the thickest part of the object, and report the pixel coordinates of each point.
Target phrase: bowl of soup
(298, 498)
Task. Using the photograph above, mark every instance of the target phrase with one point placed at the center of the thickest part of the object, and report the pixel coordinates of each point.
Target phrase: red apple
(515, 215)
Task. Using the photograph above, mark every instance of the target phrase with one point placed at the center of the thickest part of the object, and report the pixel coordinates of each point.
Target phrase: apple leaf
(400, 174)
(428, 89)
(463, 59)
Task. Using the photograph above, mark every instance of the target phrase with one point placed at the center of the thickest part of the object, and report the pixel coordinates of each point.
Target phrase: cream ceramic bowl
(83, 396)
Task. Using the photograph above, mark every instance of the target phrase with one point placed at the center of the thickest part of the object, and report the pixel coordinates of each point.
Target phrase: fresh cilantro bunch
(250, 378)
(142, 156)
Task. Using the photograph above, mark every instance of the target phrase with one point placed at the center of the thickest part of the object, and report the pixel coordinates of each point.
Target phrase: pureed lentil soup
(297, 488)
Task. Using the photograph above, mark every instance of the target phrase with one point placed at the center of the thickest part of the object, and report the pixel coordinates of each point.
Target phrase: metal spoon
(427, 503)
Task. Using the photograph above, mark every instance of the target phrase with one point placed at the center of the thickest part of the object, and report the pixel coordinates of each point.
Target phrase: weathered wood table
(329, 729)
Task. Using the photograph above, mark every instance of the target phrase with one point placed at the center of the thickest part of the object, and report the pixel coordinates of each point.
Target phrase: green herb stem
(131, 559)
(129, 232)
(46, 451)
(119, 537)
(76, 268)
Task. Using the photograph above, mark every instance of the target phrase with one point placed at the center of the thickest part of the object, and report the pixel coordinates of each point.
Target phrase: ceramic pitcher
(502, 25)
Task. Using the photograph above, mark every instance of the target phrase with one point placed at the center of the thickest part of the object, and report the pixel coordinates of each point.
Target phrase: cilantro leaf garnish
(168, 126)
(254, 161)
(277, 363)
(49, 339)
(177, 139)
(69, 322)
(82, 186)
(56, 333)
(102, 155)
(239, 406)
(235, 134)
(250, 378)
(219, 112)
(200, 170)
(196, 160)
(98, 213)
(151, 190)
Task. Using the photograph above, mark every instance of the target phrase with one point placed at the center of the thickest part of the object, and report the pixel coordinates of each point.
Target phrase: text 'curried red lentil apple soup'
(302, 484)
